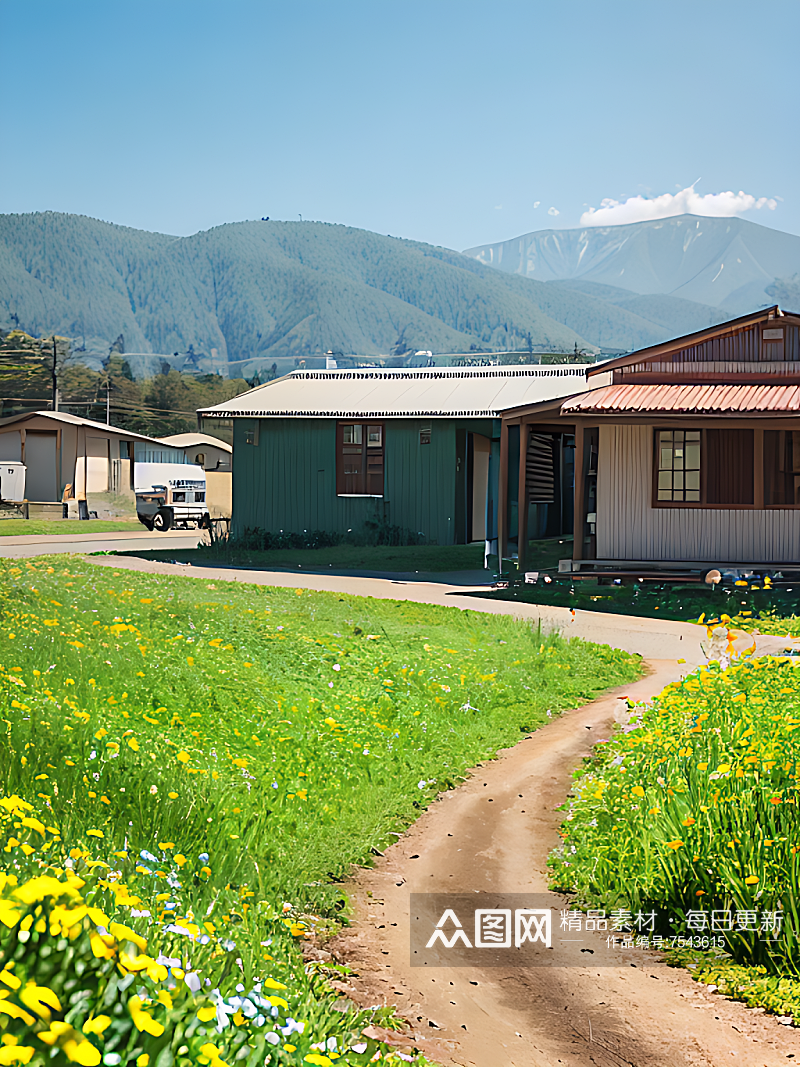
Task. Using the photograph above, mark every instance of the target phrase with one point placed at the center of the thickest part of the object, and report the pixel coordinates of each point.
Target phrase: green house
(414, 449)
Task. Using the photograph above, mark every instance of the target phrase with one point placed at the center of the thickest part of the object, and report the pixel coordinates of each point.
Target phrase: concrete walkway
(27, 545)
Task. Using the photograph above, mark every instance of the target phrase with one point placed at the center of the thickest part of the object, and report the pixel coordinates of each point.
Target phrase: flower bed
(692, 809)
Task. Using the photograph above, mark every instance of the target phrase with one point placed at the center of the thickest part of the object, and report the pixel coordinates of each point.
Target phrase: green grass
(38, 527)
(422, 558)
(693, 808)
(543, 555)
(663, 600)
(274, 738)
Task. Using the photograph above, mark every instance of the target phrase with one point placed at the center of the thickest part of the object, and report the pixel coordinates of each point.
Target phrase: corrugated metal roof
(189, 440)
(75, 420)
(686, 398)
(441, 392)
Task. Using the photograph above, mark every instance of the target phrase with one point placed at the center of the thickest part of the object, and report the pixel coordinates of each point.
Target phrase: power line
(119, 405)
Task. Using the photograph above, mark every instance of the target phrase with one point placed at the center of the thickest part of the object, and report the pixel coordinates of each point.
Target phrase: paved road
(135, 541)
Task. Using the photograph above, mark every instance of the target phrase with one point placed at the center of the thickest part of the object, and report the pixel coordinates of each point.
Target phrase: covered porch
(663, 482)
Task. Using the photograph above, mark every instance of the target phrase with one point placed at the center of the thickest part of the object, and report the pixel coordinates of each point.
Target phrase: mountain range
(725, 263)
(242, 296)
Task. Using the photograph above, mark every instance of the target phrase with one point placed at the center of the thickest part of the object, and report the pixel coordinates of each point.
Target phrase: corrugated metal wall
(628, 527)
(288, 480)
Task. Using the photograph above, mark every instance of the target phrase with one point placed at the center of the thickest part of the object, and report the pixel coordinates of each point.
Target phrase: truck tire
(162, 520)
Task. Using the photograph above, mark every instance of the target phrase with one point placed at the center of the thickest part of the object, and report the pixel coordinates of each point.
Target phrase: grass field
(47, 527)
(200, 764)
(424, 559)
(692, 811)
(742, 600)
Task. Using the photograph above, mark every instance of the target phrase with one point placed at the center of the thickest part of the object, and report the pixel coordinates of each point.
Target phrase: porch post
(502, 498)
(522, 498)
(579, 506)
(758, 469)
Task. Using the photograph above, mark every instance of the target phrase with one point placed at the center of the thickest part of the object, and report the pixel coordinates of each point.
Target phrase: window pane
(351, 435)
(374, 436)
(679, 465)
(350, 468)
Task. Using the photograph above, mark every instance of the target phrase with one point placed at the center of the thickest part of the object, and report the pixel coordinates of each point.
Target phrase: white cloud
(536, 203)
(553, 211)
(685, 202)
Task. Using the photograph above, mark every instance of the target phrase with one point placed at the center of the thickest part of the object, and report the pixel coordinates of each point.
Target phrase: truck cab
(171, 496)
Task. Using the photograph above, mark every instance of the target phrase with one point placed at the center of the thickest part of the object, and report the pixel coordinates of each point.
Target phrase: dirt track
(494, 833)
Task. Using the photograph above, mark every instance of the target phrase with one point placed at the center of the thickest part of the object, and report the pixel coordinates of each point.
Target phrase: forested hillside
(240, 296)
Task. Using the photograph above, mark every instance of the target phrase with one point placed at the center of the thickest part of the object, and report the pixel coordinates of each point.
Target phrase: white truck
(171, 496)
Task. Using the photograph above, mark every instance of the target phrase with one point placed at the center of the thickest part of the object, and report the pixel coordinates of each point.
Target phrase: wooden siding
(288, 481)
(628, 527)
(745, 351)
(674, 368)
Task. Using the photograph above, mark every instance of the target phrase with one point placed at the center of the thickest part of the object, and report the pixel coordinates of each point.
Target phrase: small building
(204, 451)
(686, 454)
(60, 460)
(416, 450)
(215, 457)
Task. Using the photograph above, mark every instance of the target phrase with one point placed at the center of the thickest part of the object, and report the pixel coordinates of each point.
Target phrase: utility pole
(108, 401)
(55, 376)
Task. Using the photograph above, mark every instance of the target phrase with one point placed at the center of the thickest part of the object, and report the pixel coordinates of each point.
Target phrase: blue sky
(445, 121)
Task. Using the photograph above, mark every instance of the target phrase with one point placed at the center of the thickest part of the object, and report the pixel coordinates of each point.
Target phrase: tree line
(31, 368)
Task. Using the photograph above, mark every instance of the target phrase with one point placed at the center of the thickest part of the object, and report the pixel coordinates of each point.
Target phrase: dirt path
(495, 833)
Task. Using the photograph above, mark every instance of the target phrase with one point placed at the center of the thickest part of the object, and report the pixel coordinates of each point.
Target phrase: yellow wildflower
(142, 1020)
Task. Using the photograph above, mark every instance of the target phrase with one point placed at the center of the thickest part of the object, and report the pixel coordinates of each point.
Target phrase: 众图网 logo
(465, 929)
(495, 928)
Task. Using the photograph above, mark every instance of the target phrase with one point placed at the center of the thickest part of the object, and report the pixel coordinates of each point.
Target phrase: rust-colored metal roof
(713, 399)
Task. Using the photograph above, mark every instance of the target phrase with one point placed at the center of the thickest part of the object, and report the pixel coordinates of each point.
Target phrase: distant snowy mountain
(720, 263)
